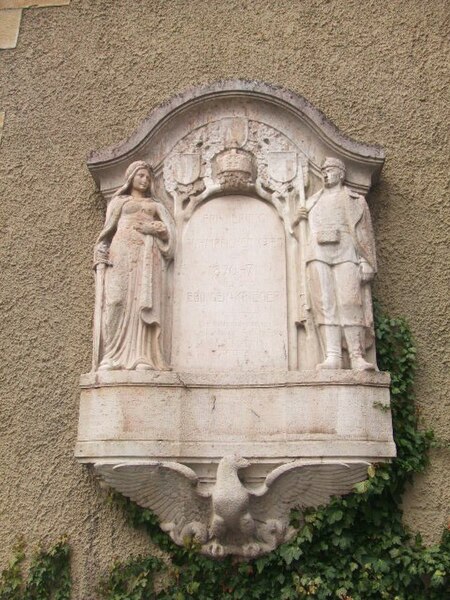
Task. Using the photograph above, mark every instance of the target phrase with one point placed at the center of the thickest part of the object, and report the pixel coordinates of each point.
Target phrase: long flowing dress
(133, 284)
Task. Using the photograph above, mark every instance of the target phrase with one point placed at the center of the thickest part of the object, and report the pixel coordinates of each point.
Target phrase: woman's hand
(155, 228)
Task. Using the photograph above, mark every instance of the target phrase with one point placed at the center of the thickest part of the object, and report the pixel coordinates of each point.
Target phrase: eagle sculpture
(230, 518)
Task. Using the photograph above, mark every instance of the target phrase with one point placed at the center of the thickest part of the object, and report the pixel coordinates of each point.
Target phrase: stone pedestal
(268, 417)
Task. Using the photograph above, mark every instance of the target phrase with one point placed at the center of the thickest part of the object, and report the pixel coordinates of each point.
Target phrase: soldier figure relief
(340, 263)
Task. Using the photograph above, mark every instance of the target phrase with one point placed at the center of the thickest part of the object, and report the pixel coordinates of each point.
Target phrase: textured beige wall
(84, 76)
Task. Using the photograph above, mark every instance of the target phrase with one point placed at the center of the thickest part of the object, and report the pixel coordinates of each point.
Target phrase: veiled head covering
(129, 175)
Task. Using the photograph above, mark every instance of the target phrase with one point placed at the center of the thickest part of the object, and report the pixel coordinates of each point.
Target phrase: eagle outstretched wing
(169, 489)
(302, 485)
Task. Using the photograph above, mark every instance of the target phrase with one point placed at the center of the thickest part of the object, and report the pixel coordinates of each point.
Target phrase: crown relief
(232, 156)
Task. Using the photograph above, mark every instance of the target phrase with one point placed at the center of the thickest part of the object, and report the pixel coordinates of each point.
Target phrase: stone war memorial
(224, 260)
(234, 373)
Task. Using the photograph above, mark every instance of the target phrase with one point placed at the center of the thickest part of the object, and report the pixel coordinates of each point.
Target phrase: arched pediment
(307, 128)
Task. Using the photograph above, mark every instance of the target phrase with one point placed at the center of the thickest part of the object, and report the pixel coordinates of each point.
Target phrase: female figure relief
(130, 261)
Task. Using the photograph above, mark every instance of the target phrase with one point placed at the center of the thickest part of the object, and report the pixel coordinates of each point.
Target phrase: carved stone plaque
(234, 374)
(230, 289)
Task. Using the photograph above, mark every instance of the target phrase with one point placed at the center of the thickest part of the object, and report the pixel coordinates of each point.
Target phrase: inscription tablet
(230, 304)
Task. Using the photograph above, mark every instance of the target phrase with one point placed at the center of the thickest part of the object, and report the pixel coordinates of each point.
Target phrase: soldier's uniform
(340, 241)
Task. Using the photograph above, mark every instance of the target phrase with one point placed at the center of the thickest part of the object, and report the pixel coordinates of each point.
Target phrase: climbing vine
(356, 548)
(48, 576)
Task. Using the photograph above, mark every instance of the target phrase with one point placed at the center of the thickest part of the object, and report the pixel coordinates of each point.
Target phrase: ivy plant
(356, 548)
(48, 575)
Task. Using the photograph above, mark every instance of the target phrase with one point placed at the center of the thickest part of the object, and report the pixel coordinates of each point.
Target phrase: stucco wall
(84, 76)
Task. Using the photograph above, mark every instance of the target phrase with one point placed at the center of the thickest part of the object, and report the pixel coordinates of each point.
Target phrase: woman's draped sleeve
(166, 247)
(113, 212)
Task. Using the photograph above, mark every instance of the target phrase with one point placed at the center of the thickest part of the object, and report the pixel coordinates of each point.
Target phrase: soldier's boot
(331, 336)
(356, 349)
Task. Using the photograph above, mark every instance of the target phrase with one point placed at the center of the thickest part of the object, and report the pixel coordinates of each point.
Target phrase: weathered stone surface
(9, 28)
(230, 289)
(380, 78)
(229, 517)
(340, 262)
(32, 3)
(292, 119)
(272, 416)
(240, 259)
(11, 14)
(131, 257)
(226, 140)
